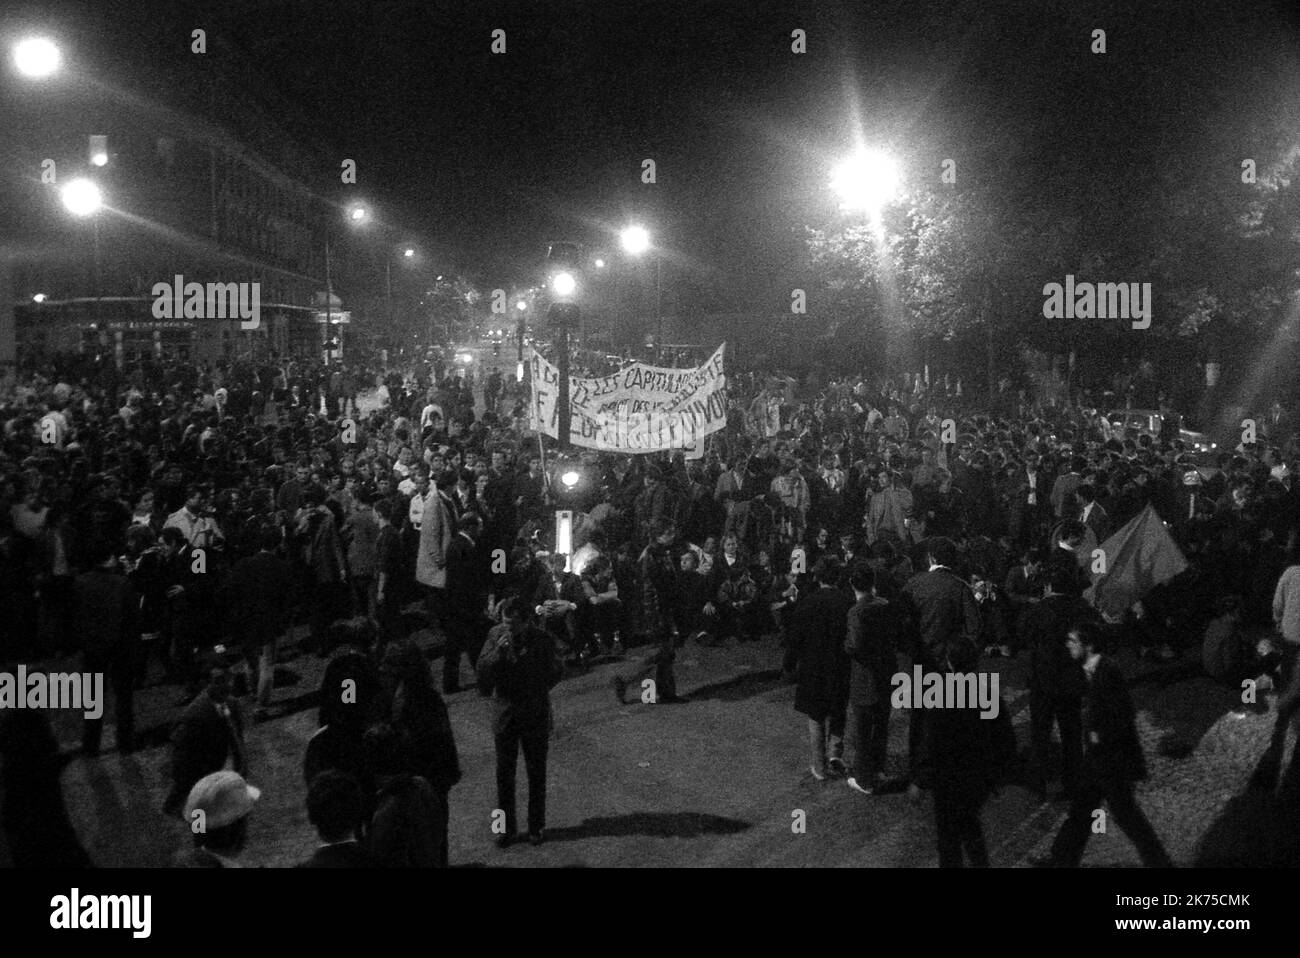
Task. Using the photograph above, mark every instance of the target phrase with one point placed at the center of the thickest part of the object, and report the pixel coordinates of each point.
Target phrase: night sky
(490, 157)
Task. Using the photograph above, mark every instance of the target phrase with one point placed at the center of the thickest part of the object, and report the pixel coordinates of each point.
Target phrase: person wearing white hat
(217, 813)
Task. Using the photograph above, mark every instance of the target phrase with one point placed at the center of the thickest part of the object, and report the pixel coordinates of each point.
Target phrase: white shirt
(199, 531)
(415, 512)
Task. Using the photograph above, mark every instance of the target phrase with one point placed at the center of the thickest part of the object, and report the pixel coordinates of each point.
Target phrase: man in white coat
(436, 533)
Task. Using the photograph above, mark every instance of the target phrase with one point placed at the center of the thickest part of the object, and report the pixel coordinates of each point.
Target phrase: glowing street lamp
(866, 182)
(408, 253)
(37, 57)
(521, 306)
(81, 197)
(636, 240)
(570, 478)
(600, 264)
(563, 284)
(358, 213)
(39, 298)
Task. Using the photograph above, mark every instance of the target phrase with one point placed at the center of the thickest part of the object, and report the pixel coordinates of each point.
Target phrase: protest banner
(638, 409)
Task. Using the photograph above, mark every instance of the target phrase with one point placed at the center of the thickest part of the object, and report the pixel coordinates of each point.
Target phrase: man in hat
(208, 736)
(217, 812)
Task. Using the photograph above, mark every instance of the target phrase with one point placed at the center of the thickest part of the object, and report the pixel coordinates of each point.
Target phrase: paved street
(716, 781)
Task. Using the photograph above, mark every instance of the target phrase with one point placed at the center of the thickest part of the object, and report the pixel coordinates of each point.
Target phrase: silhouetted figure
(36, 823)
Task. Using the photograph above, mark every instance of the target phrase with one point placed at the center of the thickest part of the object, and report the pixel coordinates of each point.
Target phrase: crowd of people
(176, 523)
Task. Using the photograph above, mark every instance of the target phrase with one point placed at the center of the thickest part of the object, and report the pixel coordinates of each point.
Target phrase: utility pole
(563, 316)
(329, 296)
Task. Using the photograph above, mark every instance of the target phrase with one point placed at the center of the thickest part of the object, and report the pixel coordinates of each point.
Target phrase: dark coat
(202, 741)
(519, 675)
(873, 638)
(259, 596)
(106, 607)
(1043, 630)
(944, 621)
(35, 820)
(818, 623)
(467, 574)
(422, 715)
(405, 831)
(342, 855)
(1109, 716)
(342, 749)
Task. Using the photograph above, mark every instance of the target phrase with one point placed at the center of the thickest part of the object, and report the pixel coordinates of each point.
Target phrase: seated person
(598, 615)
(1230, 655)
(692, 598)
(556, 600)
(781, 599)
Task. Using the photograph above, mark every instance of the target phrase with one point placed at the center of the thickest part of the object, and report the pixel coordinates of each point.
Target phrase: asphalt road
(718, 781)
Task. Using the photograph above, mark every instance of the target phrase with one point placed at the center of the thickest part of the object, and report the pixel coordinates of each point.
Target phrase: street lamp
(37, 57)
(636, 240)
(866, 181)
(356, 215)
(408, 253)
(563, 284)
(81, 197)
(39, 298)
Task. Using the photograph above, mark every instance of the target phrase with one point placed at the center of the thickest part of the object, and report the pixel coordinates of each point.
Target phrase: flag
(1138, 557)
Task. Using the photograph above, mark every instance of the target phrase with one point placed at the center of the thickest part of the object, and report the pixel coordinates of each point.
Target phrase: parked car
(1150, 422)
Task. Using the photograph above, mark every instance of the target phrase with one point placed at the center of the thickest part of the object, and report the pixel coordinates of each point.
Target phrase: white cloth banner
(638, 409)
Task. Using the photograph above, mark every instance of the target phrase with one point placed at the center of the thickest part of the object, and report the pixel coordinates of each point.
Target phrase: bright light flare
(636, 240)
(39, 298)
(563, 284)
(521, 305)
(37, 57)
(357, 213)
(570, 478)
(866, 182)
(81, 197)
(408, 253)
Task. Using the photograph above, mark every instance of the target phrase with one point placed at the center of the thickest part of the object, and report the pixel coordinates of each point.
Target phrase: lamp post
(563, 315)
(408, 253)
(636, 240)
(357, 214)
(82, 197)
